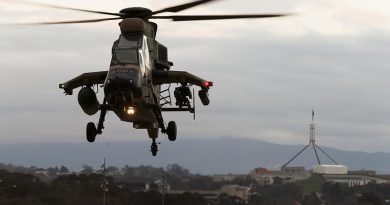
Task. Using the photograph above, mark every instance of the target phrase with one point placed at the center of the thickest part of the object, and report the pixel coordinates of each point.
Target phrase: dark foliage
(276, 194)
(79, 190)
(370, 194)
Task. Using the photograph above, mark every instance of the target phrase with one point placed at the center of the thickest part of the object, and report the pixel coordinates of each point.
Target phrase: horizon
(107, 142)
(237, 156)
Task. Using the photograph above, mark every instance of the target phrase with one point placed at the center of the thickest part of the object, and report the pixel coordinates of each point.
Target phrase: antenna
(163, 188)
(193, 102)
(312, 142)
(105, 182)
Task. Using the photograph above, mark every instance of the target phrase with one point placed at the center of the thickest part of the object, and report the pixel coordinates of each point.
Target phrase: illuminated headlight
(130, 110)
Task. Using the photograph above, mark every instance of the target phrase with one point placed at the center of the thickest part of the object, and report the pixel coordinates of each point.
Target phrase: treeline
(22, 189)
(178, 177)
(45, 175)
(87, 188)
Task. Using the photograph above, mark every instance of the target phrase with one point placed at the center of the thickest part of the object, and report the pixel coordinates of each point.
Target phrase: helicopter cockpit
(129, 65)
(125, 50)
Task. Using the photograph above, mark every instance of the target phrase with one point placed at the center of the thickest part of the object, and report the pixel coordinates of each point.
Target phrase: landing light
(130, 110)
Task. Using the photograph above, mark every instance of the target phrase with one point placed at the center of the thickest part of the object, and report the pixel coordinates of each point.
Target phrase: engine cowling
(88, 100)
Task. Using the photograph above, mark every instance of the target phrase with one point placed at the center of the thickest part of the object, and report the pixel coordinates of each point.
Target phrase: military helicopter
(139, 67)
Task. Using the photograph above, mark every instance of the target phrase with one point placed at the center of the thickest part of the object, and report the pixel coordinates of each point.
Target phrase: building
(362, 172)
(354, 180)
(292, 174)
(262, 176)
(293, 171)
(330, 169)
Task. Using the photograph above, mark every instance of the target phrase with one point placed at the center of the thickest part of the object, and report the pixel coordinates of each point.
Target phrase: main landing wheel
(91, 132)
(172, 131)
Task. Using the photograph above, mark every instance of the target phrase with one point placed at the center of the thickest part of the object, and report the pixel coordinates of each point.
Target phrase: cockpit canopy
(125, 50)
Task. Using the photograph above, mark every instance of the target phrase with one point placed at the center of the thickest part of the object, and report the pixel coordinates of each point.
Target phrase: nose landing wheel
(154, 147)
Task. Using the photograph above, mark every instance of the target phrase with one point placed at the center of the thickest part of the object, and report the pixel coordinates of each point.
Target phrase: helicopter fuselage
(128, 88)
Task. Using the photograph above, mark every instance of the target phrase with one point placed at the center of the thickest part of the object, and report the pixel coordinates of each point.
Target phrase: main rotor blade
(67, 22)
(59, 7)
(182, 7)
(217, 17)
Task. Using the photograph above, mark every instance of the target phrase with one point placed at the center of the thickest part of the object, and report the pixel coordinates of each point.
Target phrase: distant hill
(224, 155)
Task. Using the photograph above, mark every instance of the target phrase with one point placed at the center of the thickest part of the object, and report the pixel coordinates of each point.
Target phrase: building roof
(262, 171)
(331, 165)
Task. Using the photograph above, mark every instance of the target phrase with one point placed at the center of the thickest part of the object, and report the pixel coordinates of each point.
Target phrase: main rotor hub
(136, 12)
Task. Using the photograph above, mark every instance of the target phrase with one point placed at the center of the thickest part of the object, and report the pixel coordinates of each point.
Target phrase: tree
(310, 199)
(224, 199)
(53, 171)
(111, 170)
(64, 170)
(87, 169)
(177, 171)
(371, 198)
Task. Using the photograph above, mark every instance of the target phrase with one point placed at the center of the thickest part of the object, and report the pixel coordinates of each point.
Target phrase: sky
(268, 74)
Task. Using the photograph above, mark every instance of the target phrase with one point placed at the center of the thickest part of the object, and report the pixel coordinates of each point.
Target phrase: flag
(312, 115)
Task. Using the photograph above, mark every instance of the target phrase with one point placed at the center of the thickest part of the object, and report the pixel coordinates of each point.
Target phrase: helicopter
(139, 68)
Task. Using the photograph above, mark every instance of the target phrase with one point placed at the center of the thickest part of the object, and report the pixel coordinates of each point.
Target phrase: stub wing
(168, 77)
(84, 79)
(182, 93)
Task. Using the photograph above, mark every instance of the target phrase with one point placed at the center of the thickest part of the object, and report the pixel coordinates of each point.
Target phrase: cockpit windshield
(125, 50)
(126, 56)
(130, 41)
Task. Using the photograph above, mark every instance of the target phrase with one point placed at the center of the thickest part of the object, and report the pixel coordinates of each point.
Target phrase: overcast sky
(332, 56)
